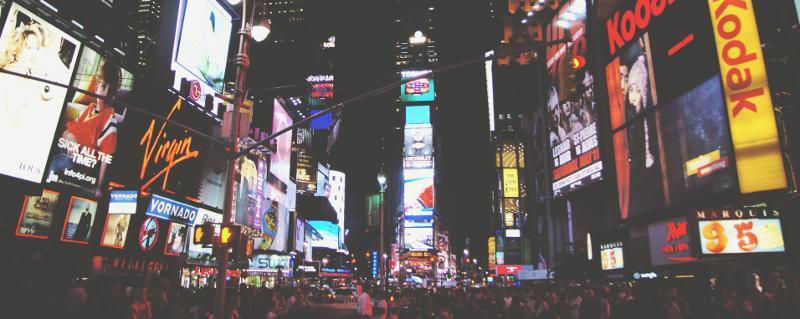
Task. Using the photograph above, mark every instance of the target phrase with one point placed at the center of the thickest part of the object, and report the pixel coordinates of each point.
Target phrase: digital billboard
(670, 242)
(30, 109)
(571, 104)
(299, 234)
(418, 145)
(81, 215)
(329, 232)
(420, 90)
(416, 221)
(418, 239)
(86, 138)
(200, 53)
(418, 115)
(280, 161)
(336, 180)
(418, 196)
(611, 256)
(306, 169)
(36, 217)
(121, 206)
(740, 231)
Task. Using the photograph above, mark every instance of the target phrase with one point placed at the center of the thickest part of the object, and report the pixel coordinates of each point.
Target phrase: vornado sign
(623, 25)
(744, 76)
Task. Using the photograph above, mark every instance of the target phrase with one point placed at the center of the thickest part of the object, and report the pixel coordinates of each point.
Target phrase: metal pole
(382, 260)
(242, 63)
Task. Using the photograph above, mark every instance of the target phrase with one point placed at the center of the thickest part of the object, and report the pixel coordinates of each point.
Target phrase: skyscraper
(144, 19)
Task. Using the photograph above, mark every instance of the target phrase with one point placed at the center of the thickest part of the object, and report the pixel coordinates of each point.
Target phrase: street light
(382, 185)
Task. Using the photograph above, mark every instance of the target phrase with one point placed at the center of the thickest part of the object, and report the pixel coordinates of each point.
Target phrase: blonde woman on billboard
(21, 55)
(636, 99)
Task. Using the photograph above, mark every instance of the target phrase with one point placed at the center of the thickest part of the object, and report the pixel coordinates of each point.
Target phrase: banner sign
(167, 209)
(740, 231)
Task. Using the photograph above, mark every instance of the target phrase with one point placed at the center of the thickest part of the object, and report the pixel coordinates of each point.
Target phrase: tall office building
(144, 20)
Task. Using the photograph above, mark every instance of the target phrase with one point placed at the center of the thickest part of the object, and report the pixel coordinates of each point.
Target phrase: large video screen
(678, 153)
(86, 139)
(420, 90)
(418, 197)
(418, 239)
(329, 232)
(202, 38)
(741, 236)
(280, 162)
(418, 115)
(418, 143)
(29, 109)
(571, 104)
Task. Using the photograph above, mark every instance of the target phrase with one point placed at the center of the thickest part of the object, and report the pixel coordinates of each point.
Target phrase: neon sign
(159, 148)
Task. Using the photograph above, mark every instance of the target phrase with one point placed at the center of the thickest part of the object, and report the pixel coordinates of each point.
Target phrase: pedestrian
(364, 304)
(140, 307)
(381, 306)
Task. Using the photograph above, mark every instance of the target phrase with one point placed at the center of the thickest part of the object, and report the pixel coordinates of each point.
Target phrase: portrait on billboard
(250, 191)
(81, 214)
(86, 139)
(630, 82)
(678, 153)
(176, 239)
(203, 37)
(29, 109)
(36, 217)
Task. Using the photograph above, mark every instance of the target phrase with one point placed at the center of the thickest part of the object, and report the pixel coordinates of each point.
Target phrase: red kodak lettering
(622, 26)
(740, 99)
(725, 3)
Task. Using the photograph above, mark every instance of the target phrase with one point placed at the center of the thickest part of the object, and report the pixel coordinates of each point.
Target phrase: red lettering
(740, 99)
(628, 25)
(725, 3)
(657, 8)
(642, 10)
(738, 81)
(741, 53)
(614, 39)
(172, 152)
(566, 169)
(622, 26)
(737, 27)
(676, 230)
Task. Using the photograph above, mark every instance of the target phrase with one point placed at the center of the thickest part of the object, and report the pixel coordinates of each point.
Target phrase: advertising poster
(571, 104)
(271, 263)
(510, 183)
(251, 190)
(29, 110)
(418, 239)
(274, 228)
(306, 169)
(176, 239)
(86, 138)
(329, 232)
(148, 234)
(741, 236)
(202, 39)
(418, 196)
(81, 214)
(121, 206)
(420, 90)
(280, 162)
(36, 217)
(418, 144)
(670, 242)
(611, 256)
(299, 234)
(203, 216)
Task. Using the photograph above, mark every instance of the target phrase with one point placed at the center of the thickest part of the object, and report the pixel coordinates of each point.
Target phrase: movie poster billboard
(121, 206)
(36, 217)
(200, 51)
(571, 103)
(30, 109)
(420, 90)
(86, 138)
(418, 196)
(81, 214)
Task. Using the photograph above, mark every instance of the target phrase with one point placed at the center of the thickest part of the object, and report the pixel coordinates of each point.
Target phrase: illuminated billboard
(274, 228)
(418, 144)
(36, 217)
(740, 231)
(280, 161)
(30, 109)
(420, 90)
(611, 256)
(86, 138)
(418, 193)
(418, 239)
(81, 215)
(121, 206)
(571, 104)
(329, 232)
(418, 220)
(418, 115)
(510, 183)
(200, 53)
(251, 188)
(670, 242)
(306, 165)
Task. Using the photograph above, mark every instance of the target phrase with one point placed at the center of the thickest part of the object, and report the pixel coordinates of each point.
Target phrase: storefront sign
(670, 242)
(137, 265)
(508, 269)
(271, 263)
(167, 209)
(163, 152)
(750, 110)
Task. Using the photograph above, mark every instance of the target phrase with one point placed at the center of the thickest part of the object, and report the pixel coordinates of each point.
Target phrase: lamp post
(382, 184)
(242, 64)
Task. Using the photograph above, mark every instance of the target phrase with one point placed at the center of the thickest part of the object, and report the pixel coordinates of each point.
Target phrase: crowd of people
(157, 298)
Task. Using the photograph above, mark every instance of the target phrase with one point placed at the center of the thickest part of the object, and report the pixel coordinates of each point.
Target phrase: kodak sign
(747, 95)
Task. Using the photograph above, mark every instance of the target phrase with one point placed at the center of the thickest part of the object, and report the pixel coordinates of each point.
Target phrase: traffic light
(203, 235)
(245, 249)
(567, 77)
(578, 62)
(229, 236)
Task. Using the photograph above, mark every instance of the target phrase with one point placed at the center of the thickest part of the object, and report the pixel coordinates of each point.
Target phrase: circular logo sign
(148, 234)
(195, 90)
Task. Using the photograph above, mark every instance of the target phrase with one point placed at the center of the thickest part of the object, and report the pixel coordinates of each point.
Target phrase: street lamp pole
(382, 260)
